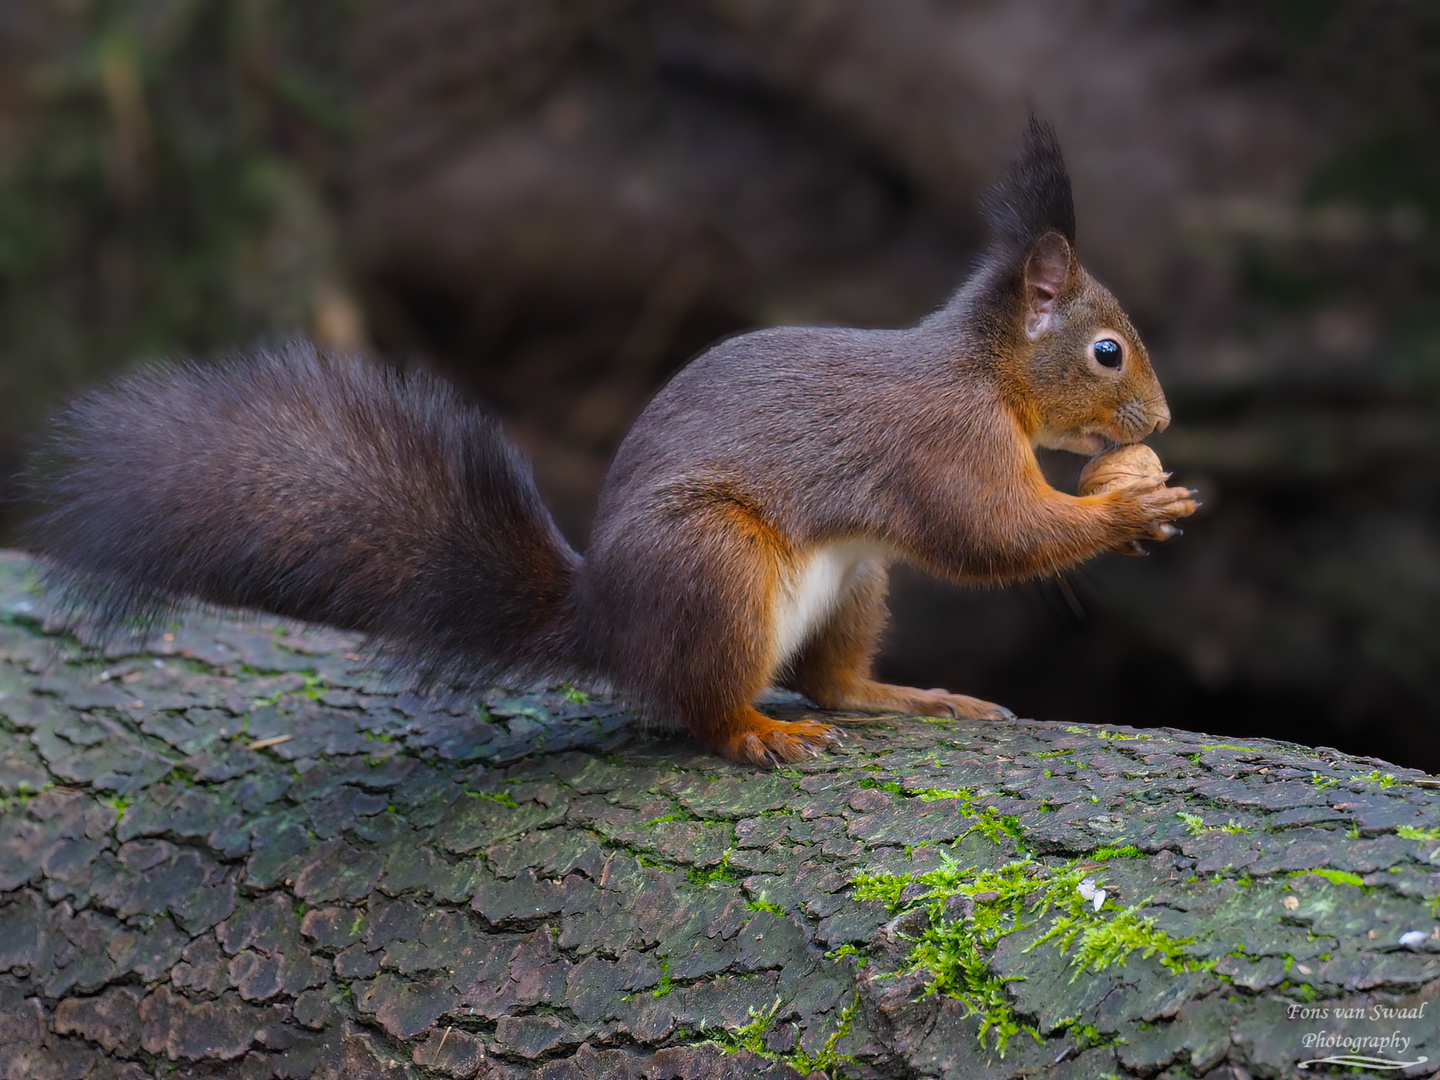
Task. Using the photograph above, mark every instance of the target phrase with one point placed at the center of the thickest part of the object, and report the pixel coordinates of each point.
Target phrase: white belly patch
(810, 595)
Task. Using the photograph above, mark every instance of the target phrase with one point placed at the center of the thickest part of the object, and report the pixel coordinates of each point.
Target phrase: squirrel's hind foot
(961, 706)
(878, 697)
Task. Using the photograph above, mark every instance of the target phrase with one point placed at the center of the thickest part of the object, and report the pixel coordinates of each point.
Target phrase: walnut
(1119, 466)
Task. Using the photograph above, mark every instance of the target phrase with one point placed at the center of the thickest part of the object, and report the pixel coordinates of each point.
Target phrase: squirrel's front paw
(1158, 506)
(1134, 478)
(1165, 505)
(753, 738)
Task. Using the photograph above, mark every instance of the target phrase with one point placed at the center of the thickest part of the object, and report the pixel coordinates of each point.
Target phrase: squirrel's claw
(756, 739)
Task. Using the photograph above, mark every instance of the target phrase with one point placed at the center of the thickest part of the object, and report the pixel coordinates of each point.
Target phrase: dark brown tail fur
(316, 487)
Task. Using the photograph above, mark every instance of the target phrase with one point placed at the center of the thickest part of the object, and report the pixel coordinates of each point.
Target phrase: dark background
(558, 203)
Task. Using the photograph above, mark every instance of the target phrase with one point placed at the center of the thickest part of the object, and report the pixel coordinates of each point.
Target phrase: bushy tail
(310, 486)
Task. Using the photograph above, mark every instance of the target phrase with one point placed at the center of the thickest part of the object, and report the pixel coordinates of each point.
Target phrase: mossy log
(236, 853)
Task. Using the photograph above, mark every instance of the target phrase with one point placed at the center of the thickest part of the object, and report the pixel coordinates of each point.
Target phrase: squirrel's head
(1069, 359)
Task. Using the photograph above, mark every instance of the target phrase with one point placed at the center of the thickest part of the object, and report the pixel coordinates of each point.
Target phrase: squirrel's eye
(1107, 352)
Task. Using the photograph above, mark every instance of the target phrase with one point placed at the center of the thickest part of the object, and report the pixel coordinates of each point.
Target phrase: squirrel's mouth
(1091, 443)
(1084, 441)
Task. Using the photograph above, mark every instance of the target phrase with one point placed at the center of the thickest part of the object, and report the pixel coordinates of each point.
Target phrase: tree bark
(234, 852)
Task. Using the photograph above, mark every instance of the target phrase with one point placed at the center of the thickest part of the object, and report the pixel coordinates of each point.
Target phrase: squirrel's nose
(1161, 413)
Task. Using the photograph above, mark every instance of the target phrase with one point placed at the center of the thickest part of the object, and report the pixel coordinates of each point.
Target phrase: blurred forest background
(558, 202)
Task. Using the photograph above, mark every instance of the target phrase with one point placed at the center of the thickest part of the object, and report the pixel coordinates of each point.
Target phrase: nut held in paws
(1119, 466)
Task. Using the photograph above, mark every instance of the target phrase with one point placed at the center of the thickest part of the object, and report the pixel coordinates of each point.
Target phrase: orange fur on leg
(725, 562)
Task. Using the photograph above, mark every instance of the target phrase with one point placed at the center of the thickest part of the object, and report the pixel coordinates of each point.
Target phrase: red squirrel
(743, 530)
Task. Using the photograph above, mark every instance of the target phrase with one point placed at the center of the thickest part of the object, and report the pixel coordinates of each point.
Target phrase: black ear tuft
(1033, 197)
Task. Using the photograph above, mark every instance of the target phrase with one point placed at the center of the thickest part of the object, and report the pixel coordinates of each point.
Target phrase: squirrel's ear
(1049, 267)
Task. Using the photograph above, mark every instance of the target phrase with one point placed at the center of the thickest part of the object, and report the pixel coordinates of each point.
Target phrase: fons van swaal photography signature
(1357, 1012)
(1354, 1048)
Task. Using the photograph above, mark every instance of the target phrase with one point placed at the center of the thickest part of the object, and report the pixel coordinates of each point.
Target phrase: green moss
(961, 971)
(676, 815)
(1021, 894)
(504, 798)
(1415, 832)
(1231, 746)
(1375, 776)
(720, 872)
(880, 785)
(1196, 825)
(989, 822)
(847, 950)
(1088, 1037)
(1335, 877)
(751, 1036)
(666, 983)
(965, 795)
(762, 904)
(119, 803)
(25, 792)
(1112, 736)
(1102, 942)
(574, 694)
(1322, 782)
(1104, 854)
(997, 827)
(315, 686)
(827, 1059)
(952, 953)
